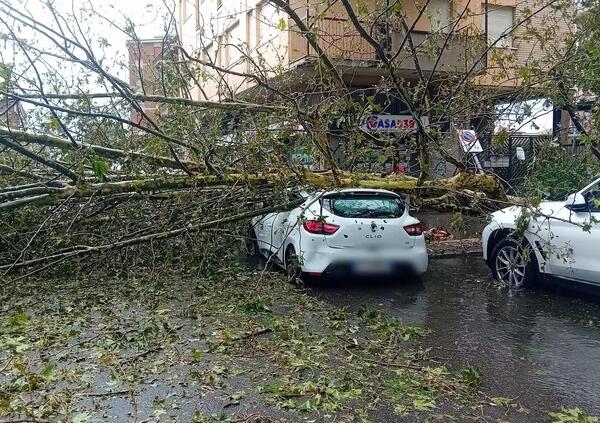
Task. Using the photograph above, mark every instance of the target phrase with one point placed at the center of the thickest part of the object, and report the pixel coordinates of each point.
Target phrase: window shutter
(500, 23)
(439, 11)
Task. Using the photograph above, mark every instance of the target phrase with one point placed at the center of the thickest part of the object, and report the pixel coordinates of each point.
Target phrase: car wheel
(514, 264)
(293, 270)
(252, 243)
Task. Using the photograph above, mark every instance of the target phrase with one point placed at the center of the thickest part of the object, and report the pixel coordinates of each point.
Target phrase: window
(249, 23)
(593, 198)
(500, 25)
(219, 51)
(258, 23)
(197, 13)
(206, 53)
(364, 205)
(226, 40)
(439, 11)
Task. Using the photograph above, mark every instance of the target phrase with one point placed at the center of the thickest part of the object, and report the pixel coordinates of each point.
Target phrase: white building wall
(226, 33)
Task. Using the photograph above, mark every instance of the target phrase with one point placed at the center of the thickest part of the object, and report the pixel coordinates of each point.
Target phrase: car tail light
(316, 227)
(414, 230)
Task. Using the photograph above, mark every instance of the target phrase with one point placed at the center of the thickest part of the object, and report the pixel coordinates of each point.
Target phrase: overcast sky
(148, 16)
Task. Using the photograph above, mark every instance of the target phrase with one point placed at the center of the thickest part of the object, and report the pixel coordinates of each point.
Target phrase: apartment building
(12, 114)
(146, 72)
(232, 33)
(252, 37)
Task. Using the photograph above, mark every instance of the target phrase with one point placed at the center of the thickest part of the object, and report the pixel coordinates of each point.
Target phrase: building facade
(11, 113)
(488, 41)
(232, 34)
(146, 73)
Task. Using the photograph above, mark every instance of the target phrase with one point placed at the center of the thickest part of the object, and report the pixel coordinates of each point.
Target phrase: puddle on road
(539, 346)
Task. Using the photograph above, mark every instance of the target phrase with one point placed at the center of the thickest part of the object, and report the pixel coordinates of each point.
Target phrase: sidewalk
(454, 248)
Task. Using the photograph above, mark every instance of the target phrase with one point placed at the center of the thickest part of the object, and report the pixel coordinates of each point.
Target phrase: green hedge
(556, 174)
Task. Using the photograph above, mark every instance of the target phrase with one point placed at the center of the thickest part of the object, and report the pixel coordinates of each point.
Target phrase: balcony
(337, 37)
(344, 45)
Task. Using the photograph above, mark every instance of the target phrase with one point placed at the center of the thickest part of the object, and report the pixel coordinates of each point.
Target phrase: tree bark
(106, 152)
(40, 159)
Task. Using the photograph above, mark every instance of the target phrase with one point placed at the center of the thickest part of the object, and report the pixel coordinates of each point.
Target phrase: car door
(264, 231)
(576, 241)
(273, 229)
(281, 226)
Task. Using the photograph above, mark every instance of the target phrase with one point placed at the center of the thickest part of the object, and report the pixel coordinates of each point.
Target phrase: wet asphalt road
(540, 346)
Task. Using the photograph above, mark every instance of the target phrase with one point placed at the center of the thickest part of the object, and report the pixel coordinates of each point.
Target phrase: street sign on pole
(469, 141)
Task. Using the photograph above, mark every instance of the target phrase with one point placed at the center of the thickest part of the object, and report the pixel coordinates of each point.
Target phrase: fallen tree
(434, 194)
(106, 152)
(451, 194)
(160, 167)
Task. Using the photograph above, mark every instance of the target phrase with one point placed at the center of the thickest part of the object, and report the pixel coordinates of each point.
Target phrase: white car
(560, 239)
(359, 231)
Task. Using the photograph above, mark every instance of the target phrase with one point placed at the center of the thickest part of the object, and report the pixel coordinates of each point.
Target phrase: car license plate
(372, 267)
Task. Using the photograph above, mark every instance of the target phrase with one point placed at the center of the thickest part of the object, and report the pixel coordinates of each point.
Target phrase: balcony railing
(340, 40)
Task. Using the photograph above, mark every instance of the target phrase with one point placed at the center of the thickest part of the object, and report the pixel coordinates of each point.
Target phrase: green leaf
(282, 24)
(100, 168)
(197, 355)
(54, 123)
(82, 417)
(573, 415)
(501, 401)
(49, 370)
(423, 404)
(472, 376)
(5, 72)
(18, 320)
(307, 406)
(362, 7)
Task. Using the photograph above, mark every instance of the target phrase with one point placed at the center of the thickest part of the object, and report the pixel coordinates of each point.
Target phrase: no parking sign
(468, 140)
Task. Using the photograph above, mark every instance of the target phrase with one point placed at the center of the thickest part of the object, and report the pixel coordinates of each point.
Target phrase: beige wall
(538, 42)
(209, 31)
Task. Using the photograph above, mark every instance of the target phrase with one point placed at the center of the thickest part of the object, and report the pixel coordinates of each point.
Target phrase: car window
(364, 206)
(592, 197)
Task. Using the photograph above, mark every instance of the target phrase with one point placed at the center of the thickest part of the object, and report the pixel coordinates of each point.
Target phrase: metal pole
(510, 161)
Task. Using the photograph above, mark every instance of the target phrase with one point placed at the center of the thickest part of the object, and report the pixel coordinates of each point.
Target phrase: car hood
(546, 208)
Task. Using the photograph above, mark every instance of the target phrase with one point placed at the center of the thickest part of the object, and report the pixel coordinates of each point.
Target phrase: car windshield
(364, 205)
(592, 196)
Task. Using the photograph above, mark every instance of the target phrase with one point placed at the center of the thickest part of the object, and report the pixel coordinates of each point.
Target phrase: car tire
(252, 243)
(293, 270)
(514, 263)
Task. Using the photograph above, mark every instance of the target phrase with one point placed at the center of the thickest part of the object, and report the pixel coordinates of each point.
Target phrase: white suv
(560, 239)
(358, 231)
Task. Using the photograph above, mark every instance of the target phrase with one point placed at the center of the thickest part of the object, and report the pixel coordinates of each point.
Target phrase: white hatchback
(558, 238)
(351, 231)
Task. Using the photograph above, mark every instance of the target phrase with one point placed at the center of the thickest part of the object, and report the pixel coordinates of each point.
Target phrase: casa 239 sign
(392, 123)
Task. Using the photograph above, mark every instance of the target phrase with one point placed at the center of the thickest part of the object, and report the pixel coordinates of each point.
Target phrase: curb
(455, 248)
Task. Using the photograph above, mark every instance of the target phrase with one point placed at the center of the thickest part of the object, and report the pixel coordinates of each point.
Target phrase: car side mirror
(576, 202)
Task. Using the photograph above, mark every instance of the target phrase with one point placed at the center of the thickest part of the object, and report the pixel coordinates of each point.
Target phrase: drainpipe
(308, 26)
(485, 60)
(388, 35)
